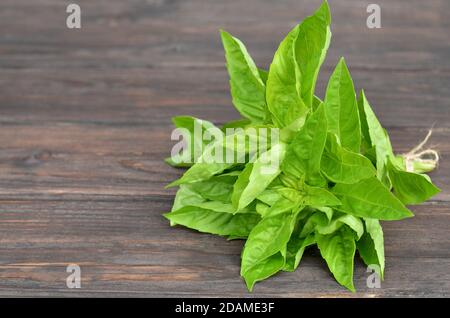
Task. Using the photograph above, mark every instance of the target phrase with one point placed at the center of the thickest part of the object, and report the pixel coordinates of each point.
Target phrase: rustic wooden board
(85, 125)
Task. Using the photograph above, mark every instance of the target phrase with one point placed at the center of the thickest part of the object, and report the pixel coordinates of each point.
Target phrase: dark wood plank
(85, 125)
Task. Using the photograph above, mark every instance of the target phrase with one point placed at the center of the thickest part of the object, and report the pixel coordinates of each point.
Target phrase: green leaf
(304, 154)
(264, 269)
(295, 67)
(283, 99)
(247, 88)
(338, 250)
(194, 141)
(208, 221)
(317, 219)
(241, 183)
(370, 198)
(295, 249)
(366, 142)
(410, 187)
(371, 245)
(328, 211)
(316, 196)
(341, 108)
(311, 45)
(262, 172)
(217, 188)
(186, 196)
(342, 166)
(242, 144)
(269, 196)
(268, 237)
(218, 206)
(379, 139)
(353, 222)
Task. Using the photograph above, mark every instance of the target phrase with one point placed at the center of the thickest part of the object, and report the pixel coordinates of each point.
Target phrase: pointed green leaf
(217, 188)
(379, 139)
(342, 166)
(341, 108)
(264, 269)
(311, 45)
(194, 141)
(213, 222)
(304, 154)
(267, 238)
(370, 198)
(283, 100)
(366, 142)
(410, 187)
(295, 249)
(240, 144)
(373, 244)
(262, 172)
(353, 222)
(247, 88)
(315, 196)
(338, 250)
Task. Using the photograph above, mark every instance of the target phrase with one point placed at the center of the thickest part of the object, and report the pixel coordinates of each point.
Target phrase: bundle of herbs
(296, 171)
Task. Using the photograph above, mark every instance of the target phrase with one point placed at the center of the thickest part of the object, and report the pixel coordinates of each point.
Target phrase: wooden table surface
(85, 125)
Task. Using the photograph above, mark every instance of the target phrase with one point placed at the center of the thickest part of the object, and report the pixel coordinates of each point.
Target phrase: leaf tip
(173, 184)
(342, 63)
(325, 10)
(250, 283)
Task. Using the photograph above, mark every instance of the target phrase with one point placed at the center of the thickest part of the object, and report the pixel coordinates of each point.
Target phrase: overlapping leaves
(336, 178)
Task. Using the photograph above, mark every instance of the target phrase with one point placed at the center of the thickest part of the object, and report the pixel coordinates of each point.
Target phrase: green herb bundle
(335, 175)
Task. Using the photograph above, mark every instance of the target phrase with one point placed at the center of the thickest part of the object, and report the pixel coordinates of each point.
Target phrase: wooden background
(85, 125)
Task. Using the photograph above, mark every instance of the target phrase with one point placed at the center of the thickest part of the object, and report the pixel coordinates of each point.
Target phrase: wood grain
(85, 125)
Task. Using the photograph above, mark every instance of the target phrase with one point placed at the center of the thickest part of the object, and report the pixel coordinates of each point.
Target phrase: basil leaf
(257, 176)
(311, 45)
(371, 245)
(338, 250)
(186, 196)
(194, 141)
(269, 196)
(264, 269)
(342, 166)
(283, 100)
(379, 139)
(315, 196)
(317, 219)
(328, 211)
(304, 154)
(410, 187)
(366, 142)
(353, 222)
(295, 249)
(239, 144)
(283, 205)
(267, 238)
(341, 108)
(217, 188)
(247, 88)
(295, 67)
(370, 198)
(208, 221)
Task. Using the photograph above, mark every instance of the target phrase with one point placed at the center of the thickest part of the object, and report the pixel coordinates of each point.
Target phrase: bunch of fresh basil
(337, 174)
